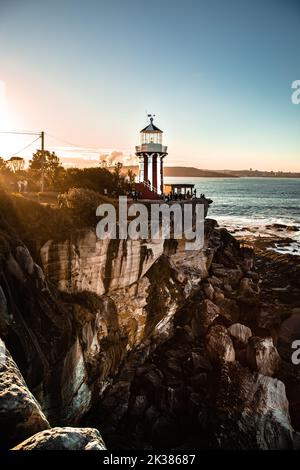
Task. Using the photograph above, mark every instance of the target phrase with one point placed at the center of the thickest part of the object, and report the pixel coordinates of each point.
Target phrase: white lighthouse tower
(151, 154)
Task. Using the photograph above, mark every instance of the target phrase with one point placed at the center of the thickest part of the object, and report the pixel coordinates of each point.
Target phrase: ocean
(253, 204)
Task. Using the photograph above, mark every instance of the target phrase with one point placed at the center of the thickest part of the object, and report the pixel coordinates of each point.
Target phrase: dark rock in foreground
(64, 439)
(20, 414)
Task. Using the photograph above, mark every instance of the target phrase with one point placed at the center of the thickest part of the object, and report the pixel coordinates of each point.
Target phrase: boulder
(229, 276)
(248, 288)
(208, 290)
(64, 439)
(202, 316)
(20, 414)
(262, 355)
(215, 281)
(252, 411)
(219, 345)
(240, 333)
(229, 309)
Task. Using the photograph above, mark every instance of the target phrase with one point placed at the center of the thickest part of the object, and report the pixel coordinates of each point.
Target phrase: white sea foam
(264, 227)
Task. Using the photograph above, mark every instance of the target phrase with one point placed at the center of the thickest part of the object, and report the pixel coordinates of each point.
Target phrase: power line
(20, 132)
(69, 143)
(49, 135)
(24, 148)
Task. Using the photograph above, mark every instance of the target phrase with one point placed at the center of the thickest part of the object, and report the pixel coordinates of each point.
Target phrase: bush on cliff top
(28, 221)
(81, 204)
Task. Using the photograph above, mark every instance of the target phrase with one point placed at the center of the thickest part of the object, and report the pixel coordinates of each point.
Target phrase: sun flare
(3, 106)
(8, 122)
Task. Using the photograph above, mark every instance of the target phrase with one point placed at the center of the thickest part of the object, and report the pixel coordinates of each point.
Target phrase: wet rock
(64, 439)
(262, 355)
(219, 345)
(20, 414)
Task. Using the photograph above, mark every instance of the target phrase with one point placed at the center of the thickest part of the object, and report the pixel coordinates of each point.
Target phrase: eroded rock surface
(20, 414)
(263, 356)
(155, 346)
(64, 439)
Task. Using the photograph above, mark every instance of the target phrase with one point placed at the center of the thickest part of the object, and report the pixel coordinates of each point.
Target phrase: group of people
(173, 196)
(135, 195)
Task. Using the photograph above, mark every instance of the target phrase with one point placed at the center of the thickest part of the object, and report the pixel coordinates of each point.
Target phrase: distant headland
(193, 172)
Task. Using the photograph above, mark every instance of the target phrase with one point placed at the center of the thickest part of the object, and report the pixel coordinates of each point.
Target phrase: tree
(46, 164)
(118, 179)
(82, 203)
(96, 179)
(103, 164)
(130, 177)
(16, 164)
(3, 165)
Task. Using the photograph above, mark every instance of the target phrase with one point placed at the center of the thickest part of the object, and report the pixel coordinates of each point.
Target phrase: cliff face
(145, 341)
(122, 296)
(106, 299)
(85, 263)
(210, 383)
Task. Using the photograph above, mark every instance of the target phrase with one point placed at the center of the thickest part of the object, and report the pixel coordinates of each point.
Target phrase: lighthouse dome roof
(151, 127)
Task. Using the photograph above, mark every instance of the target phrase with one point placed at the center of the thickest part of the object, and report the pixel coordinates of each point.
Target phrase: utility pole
(43, 159)
(40, 135)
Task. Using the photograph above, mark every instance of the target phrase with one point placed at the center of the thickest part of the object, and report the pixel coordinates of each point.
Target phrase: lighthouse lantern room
(151, 154)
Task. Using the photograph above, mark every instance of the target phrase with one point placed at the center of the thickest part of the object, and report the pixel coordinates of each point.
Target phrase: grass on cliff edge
(28, 221)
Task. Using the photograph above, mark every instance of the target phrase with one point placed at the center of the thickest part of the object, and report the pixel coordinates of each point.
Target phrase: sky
(217, 74)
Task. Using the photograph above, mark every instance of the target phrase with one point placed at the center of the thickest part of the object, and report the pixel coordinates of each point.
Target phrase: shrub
(82, 203)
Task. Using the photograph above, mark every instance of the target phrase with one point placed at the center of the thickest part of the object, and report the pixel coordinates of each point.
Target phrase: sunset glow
(225, 103)
(3, 106)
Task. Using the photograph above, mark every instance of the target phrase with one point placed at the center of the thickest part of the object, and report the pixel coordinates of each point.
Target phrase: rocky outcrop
(85, 263)
(262, 355)
(219, 345)
(155, 346)
(64, 439)
(20, 414)
(113, 297)
(252, 412)
(203, 315)
(240, 333)
(195, 389)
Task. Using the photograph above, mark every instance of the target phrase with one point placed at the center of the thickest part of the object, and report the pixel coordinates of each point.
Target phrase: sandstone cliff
(152, 345)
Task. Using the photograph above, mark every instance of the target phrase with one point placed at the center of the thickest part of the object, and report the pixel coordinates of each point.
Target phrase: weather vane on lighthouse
(151, 116)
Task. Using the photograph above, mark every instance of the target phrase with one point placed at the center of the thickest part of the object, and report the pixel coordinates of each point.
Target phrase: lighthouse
(151, 154)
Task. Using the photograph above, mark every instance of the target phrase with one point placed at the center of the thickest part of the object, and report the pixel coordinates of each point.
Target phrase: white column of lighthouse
(150, 177)
(141, 172)
(158, 175)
